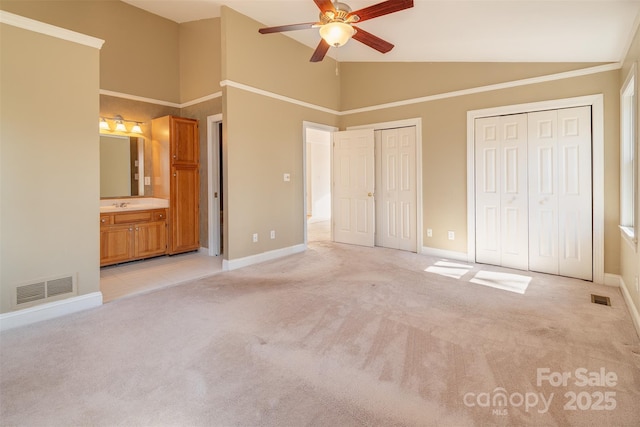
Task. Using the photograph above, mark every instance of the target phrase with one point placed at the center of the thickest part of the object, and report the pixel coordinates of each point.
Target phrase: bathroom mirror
(121, 166)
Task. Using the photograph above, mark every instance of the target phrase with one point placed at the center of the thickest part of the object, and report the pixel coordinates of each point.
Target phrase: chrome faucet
(120, 205)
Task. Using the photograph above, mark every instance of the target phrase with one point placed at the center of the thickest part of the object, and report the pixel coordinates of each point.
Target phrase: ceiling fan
(336, 25)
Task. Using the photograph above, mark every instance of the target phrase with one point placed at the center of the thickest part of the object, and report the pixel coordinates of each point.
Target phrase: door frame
(417, 123)
(213, 183)
(596, 102)
(318, 126)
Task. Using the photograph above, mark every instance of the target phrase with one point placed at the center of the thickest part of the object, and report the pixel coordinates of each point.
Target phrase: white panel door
(354, 185)
(501, 191)
(543, 191)
(514, 192)
(488, 182)
(560, 192)
(396, 192)
(575, 205)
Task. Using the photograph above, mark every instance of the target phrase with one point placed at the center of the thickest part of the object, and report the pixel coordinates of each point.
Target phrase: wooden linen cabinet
(176, 176)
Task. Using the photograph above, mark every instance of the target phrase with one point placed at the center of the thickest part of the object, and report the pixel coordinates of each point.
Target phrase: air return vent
(44, 290)
(599, 299)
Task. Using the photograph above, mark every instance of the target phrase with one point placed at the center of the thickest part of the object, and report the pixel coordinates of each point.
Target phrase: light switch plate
(287, 177)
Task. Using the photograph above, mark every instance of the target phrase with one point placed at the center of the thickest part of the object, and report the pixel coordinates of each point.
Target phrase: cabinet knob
(103, 220)
(174, 156)
(130, 228)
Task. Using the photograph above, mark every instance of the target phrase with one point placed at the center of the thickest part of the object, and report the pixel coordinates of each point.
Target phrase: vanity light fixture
(103, 124)
(120, 127)
(120, 124)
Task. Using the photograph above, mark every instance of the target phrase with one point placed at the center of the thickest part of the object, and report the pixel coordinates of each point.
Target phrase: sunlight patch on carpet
(449, 269)
(505, 281)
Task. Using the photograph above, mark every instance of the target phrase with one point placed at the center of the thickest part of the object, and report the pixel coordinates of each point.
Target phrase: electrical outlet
(452, 235)
(429, 232)
(287, 177)
(255, 237)
(273, 234)
(147, 180)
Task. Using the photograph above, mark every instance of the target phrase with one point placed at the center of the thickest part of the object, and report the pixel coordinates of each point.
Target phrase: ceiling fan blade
(372, 41)
(321, 51)
(291, 27)
(324, 5)
(380, 9)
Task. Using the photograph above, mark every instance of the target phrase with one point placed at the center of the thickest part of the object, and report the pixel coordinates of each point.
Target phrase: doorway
(317, 139)
(215, 199)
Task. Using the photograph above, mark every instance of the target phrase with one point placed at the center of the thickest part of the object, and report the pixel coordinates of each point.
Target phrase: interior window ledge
(629, 236)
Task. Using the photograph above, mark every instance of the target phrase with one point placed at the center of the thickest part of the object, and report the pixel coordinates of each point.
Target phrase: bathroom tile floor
(136, 277)
(132, 278)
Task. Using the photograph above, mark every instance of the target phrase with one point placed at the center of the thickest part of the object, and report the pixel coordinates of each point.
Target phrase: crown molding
(488, 88)
(49, 30)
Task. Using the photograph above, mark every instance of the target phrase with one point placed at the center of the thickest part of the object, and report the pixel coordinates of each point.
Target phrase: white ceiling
(451, 30)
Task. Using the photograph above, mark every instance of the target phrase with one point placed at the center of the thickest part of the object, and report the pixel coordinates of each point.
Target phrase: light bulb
(104, 125)
(120, 126)
(336, 33)
(136, 128)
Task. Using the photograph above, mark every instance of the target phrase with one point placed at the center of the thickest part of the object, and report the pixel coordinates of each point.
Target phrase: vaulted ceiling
(451, 30)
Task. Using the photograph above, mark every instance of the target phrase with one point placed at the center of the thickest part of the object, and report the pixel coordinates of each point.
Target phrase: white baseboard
(633, 310)
(612, 280)
(442, 253)
(50, 310)
(234, 264)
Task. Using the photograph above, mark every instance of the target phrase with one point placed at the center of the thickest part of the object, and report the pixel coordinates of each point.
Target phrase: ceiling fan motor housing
(340, 14)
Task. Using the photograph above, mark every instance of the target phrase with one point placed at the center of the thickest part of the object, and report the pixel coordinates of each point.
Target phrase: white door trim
(417, 122)
(597, 116)
(213, 173)
(311, 125)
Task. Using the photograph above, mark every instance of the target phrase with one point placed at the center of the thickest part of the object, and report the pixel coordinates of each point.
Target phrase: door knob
(370, 194)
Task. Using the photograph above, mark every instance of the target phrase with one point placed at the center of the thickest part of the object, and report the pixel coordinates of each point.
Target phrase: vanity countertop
(133, 204)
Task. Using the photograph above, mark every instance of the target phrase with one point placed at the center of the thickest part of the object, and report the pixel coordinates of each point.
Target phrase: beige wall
(200, 59)
(275, 63)
(630, 256)
(49, 162)
(444, 140)
(140, 54)
(263, 136)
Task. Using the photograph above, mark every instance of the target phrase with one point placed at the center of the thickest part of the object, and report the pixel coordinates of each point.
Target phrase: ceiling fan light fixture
(336, 34)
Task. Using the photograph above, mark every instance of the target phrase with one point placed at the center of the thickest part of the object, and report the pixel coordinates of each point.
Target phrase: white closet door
(575, 193)
(488, 182)
(501, 191)
(543, 191)
(560, 192)
(353, 176)
(396, 189)
(514, 194)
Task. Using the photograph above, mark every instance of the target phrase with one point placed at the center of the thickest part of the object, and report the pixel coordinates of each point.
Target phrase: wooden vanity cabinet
(176, 172)
(131, 235)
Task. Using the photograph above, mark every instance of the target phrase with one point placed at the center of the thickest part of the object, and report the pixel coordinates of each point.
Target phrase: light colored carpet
(336, 336)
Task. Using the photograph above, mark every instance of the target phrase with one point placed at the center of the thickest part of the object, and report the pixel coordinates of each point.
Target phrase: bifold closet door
(396, 192)
(501, 191)
(560, 195)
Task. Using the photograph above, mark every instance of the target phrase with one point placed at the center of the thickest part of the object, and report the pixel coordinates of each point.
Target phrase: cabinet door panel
(116, 244)
(185, 231)
(184, 141)
(151, 239)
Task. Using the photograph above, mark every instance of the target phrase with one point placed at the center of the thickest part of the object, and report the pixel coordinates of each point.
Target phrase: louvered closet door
(560, 193)
(501, 191)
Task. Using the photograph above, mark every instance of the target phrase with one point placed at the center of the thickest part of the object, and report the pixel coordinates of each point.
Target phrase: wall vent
(44, 290)
(599, 299)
